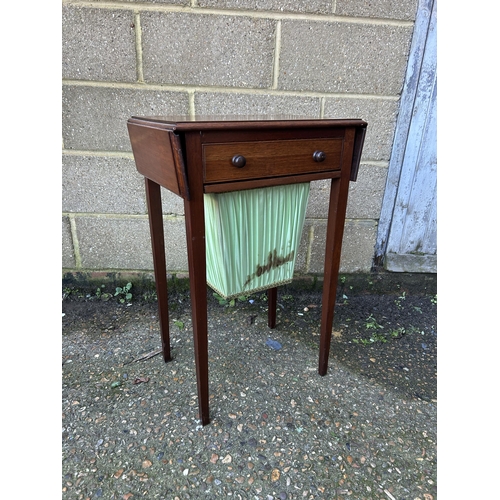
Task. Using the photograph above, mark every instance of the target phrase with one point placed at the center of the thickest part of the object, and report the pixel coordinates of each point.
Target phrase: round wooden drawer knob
(239, 161)
(319, 156)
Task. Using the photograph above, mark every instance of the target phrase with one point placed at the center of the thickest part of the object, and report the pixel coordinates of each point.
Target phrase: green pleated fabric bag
(252, 237)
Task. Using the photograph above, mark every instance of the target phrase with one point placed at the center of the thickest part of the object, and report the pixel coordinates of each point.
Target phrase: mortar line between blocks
(259, 14)
(138, 46)
(229, 90)
(122, 271)
(96, 215)
(277, 53)
(191, 106)
(100, 154)
(74, 238)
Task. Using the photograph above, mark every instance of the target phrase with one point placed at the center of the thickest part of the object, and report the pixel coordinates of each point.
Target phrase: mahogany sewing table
(193, 156)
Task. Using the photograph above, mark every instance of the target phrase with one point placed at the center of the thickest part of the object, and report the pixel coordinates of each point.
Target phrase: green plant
(434, 300)
(378, 337)
(101, 295)
(361, 341)
(398, 333)
(150, 296)
(222, 301)
(399, 299)
(375, 337)
(385, 337)
(123, 293)
(229, 302)
(371, 323)
(74, 292)
(179, 324)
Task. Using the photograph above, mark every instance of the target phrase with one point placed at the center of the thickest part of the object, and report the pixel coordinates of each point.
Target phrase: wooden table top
(214, 122)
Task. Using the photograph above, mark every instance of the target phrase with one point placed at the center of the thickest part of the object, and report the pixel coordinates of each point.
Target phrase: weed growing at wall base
(101, 295)
(229, 302)
(123, 293)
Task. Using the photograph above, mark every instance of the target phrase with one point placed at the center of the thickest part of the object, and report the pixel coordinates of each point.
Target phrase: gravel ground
(278, 430)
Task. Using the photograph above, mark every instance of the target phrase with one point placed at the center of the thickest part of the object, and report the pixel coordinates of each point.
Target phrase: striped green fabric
(252, 237)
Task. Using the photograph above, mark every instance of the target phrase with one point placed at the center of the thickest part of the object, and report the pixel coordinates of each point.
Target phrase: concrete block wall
(324, 58)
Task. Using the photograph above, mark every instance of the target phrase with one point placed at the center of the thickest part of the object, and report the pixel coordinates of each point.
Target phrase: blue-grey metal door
(406, 239)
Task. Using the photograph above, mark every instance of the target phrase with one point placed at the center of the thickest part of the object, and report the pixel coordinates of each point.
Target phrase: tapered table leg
(198, 286)
(153, 199)
(272, 296)
(195, 234)
(334, 232)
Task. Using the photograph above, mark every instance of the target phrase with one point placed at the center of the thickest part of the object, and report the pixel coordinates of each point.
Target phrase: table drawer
(233, 161)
